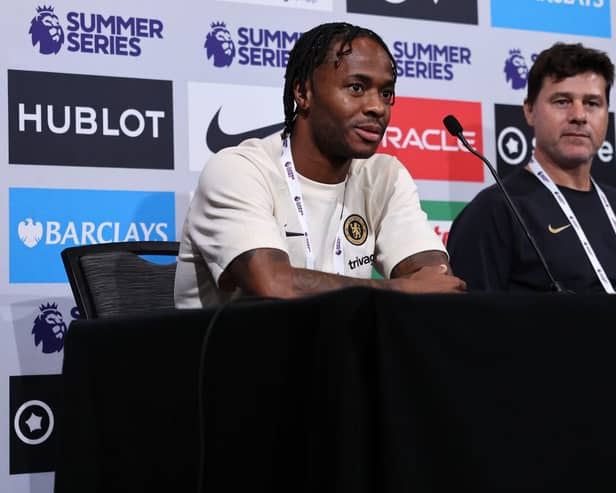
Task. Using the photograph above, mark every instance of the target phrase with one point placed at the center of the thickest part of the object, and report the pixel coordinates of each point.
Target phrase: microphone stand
(456, 131)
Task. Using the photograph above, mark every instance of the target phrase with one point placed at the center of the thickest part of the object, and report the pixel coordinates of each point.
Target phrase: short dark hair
(310, 51)
(566, 60)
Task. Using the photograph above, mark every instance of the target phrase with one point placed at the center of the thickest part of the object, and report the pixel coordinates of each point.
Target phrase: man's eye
(356, 87)
(388, 96)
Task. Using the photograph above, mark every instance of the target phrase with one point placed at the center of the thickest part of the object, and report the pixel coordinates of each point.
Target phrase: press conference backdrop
(114, 107)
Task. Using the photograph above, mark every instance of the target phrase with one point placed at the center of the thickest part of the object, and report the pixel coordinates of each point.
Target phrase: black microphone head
(452, 125)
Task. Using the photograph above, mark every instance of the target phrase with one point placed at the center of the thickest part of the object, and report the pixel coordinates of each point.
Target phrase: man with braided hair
(314, 209)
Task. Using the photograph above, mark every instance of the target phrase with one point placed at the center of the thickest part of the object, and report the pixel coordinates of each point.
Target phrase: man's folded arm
(268, 272)
(410, 265)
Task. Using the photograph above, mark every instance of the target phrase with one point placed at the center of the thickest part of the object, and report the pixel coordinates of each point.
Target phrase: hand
(430, 279)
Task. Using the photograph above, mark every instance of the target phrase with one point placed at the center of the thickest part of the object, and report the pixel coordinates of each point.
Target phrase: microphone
(454, 128)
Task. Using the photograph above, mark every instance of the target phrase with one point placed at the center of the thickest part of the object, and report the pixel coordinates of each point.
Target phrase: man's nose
(375, 103)
(578, 112)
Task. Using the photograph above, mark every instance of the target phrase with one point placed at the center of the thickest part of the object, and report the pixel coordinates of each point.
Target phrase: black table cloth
(359, 390)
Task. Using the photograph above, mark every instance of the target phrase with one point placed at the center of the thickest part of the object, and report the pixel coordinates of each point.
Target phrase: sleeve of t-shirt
(404, 229)
(232, 211)
(480, 244)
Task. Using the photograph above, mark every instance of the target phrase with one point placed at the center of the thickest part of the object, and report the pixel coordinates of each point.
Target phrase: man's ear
(528, 113)
(302, 97)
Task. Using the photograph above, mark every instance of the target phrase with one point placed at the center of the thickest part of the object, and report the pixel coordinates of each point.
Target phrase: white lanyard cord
(297, 199)
(544, 178)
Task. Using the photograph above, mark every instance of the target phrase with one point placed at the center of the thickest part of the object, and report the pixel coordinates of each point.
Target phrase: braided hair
(310, 51)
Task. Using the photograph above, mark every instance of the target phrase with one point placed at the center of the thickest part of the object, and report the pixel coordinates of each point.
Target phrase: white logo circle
(20, 411)
(522, 152)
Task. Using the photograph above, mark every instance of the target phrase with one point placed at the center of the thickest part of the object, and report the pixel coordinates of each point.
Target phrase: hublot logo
(82, 120)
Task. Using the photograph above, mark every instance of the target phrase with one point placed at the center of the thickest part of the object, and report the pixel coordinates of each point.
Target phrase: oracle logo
(417, 137)
(430, 139)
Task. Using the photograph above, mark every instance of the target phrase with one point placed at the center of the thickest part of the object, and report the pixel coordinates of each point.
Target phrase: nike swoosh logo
(553, 230)
(217, 139)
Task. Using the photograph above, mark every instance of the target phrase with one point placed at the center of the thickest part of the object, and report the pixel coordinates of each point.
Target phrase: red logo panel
(417, 137)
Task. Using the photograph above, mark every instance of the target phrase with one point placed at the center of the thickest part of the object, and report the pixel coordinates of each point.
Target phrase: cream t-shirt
(242, 202)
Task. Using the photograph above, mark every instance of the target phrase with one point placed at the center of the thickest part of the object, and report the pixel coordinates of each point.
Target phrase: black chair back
(111, 279)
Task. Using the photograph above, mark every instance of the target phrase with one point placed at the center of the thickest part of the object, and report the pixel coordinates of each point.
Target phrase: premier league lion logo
(218, 44)
(45, 29)
(516, 69)
(49, 328)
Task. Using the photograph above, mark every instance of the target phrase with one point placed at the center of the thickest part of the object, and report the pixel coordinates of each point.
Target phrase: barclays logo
(42, 222)
(88, 233)
(30, 232)
(46, 31)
